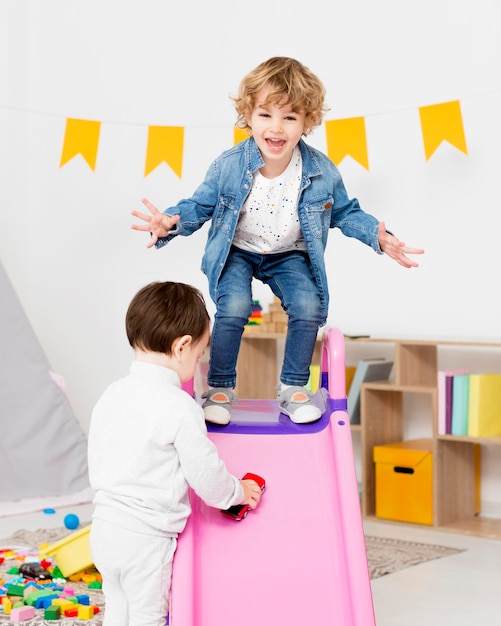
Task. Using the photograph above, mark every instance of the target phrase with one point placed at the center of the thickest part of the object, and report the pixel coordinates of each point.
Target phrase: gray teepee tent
(43, 449)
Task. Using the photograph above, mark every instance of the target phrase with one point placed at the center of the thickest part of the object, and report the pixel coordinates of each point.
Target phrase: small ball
(71, 521)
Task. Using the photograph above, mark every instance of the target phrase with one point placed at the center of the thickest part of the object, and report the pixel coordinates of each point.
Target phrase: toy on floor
(71, 521)
(71, 553)
(26, 594)
(49, 511)
(35, 571)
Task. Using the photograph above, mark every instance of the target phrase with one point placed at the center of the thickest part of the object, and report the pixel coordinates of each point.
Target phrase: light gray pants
(137, 573)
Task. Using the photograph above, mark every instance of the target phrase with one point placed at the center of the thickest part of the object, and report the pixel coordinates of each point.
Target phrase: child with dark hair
(271, 200)
(147, 445)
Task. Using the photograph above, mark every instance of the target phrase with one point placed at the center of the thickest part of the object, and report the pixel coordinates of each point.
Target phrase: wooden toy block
(71, 599)
(83, 599)
(73, 612)
(278, 317)
(96, 584)
(22, 613)
(85, 612)
(45, 601)
(88, 578)
(29, 589)
(9, 554)
(15, 590)
(7, 605)
(52, 612)
(64, 603)
(33, 597)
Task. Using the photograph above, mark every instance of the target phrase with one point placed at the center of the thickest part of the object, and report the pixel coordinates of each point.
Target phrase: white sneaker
(296, 403)
(217, 406)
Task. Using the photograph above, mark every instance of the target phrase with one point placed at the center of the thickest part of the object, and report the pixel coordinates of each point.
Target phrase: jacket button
(246, 186)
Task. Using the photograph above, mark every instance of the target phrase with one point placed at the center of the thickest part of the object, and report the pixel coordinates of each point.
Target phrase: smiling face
(277, 129)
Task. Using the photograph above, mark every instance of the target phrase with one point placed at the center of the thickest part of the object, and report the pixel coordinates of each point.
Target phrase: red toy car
(239, 511)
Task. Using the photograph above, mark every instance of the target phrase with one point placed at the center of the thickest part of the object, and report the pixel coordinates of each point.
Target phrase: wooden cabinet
(383, 417)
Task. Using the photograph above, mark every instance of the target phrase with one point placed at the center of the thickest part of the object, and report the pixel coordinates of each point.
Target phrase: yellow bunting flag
(239, 134)
(81, 137)
(165, 143)
(442, 122)
(347, 138)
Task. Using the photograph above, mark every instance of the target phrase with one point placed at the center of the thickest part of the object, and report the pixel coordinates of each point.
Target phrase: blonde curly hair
(290, 82)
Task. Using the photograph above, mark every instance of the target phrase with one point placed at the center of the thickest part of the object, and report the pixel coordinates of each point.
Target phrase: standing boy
(271, 200)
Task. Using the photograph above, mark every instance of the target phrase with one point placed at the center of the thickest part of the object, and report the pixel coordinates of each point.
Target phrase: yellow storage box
(404, 481)
(71, 554)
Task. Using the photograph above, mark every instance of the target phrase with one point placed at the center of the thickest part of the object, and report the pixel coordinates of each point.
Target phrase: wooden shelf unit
(382, 420)
(455, 459)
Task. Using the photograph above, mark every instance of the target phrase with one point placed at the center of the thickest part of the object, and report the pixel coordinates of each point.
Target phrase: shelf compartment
(416, 364)
(382, 423)
(457, 492)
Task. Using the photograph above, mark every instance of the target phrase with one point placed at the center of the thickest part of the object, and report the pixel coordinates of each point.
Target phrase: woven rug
(385, 556)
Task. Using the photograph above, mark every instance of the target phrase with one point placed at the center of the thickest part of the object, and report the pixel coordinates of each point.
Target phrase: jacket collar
(254, 159)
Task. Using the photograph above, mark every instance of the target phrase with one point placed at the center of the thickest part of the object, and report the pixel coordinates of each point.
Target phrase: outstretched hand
(396, 249)
(158, 224)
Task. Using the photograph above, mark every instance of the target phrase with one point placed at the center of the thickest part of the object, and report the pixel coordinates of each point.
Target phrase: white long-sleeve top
(147, 444)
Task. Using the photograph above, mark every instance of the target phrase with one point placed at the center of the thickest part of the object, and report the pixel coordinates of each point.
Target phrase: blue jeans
(290, 279)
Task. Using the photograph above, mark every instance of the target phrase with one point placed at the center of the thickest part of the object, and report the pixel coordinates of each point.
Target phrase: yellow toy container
(404, 481)
(71, 554)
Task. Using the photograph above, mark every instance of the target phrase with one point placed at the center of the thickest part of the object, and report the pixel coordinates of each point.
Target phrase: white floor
(460, 590)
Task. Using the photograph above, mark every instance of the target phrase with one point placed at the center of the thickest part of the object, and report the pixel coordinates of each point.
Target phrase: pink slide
(299, 558)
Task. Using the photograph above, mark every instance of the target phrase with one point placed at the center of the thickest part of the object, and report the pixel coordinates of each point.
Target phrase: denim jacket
(323, 204)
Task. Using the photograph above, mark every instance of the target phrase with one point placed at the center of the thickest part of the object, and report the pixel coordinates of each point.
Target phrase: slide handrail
(333, 369)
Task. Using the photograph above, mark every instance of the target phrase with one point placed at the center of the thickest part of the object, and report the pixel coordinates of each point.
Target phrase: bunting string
(440, 123)
(345, 137)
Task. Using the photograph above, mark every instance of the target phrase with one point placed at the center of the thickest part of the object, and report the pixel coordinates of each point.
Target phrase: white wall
(65, 239)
